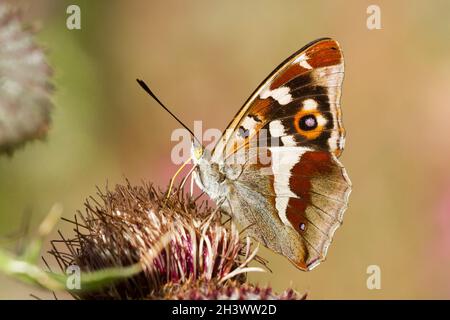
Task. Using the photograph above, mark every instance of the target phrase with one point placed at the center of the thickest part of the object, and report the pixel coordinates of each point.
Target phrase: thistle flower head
(175, 241)
(24, 83)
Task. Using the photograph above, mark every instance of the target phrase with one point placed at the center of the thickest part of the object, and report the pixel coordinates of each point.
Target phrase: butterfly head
(197, 151)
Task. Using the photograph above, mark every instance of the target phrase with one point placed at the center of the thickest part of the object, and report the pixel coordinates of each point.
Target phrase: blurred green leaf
(24, 267)
(30, 273)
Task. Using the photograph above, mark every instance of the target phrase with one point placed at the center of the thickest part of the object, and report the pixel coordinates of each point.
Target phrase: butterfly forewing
(294, 202)
(307, 84)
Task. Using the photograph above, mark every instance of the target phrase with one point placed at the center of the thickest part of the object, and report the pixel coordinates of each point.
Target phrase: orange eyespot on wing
(309, 121)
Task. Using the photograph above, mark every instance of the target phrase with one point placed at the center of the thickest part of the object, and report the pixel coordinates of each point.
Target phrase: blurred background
(203, 59)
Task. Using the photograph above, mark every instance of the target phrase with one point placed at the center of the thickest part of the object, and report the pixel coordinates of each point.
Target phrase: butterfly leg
(172, 180)
(192, 186)
(183, 182)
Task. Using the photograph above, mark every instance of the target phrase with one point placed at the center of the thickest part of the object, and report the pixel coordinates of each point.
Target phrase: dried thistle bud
(175, 241)
(24, 83)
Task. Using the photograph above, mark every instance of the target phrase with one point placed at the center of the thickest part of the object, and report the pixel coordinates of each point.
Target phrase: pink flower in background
(443, 225)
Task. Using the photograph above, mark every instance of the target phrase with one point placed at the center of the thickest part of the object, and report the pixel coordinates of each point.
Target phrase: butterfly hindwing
(299, 199)
(320, 189)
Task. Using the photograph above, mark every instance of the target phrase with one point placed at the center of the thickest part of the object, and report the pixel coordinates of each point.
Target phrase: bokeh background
(204, 58)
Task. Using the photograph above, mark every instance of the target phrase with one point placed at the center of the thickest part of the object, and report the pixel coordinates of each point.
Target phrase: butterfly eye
(308, 122)
(198, 152)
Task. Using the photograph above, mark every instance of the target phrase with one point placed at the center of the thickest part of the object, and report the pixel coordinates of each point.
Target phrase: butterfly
(275, 169)
(293, 203)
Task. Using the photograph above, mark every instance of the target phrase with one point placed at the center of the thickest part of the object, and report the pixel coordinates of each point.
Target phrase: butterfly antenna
(147, 89)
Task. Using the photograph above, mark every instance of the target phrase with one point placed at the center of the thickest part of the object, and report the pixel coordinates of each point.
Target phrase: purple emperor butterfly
(294, 202)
